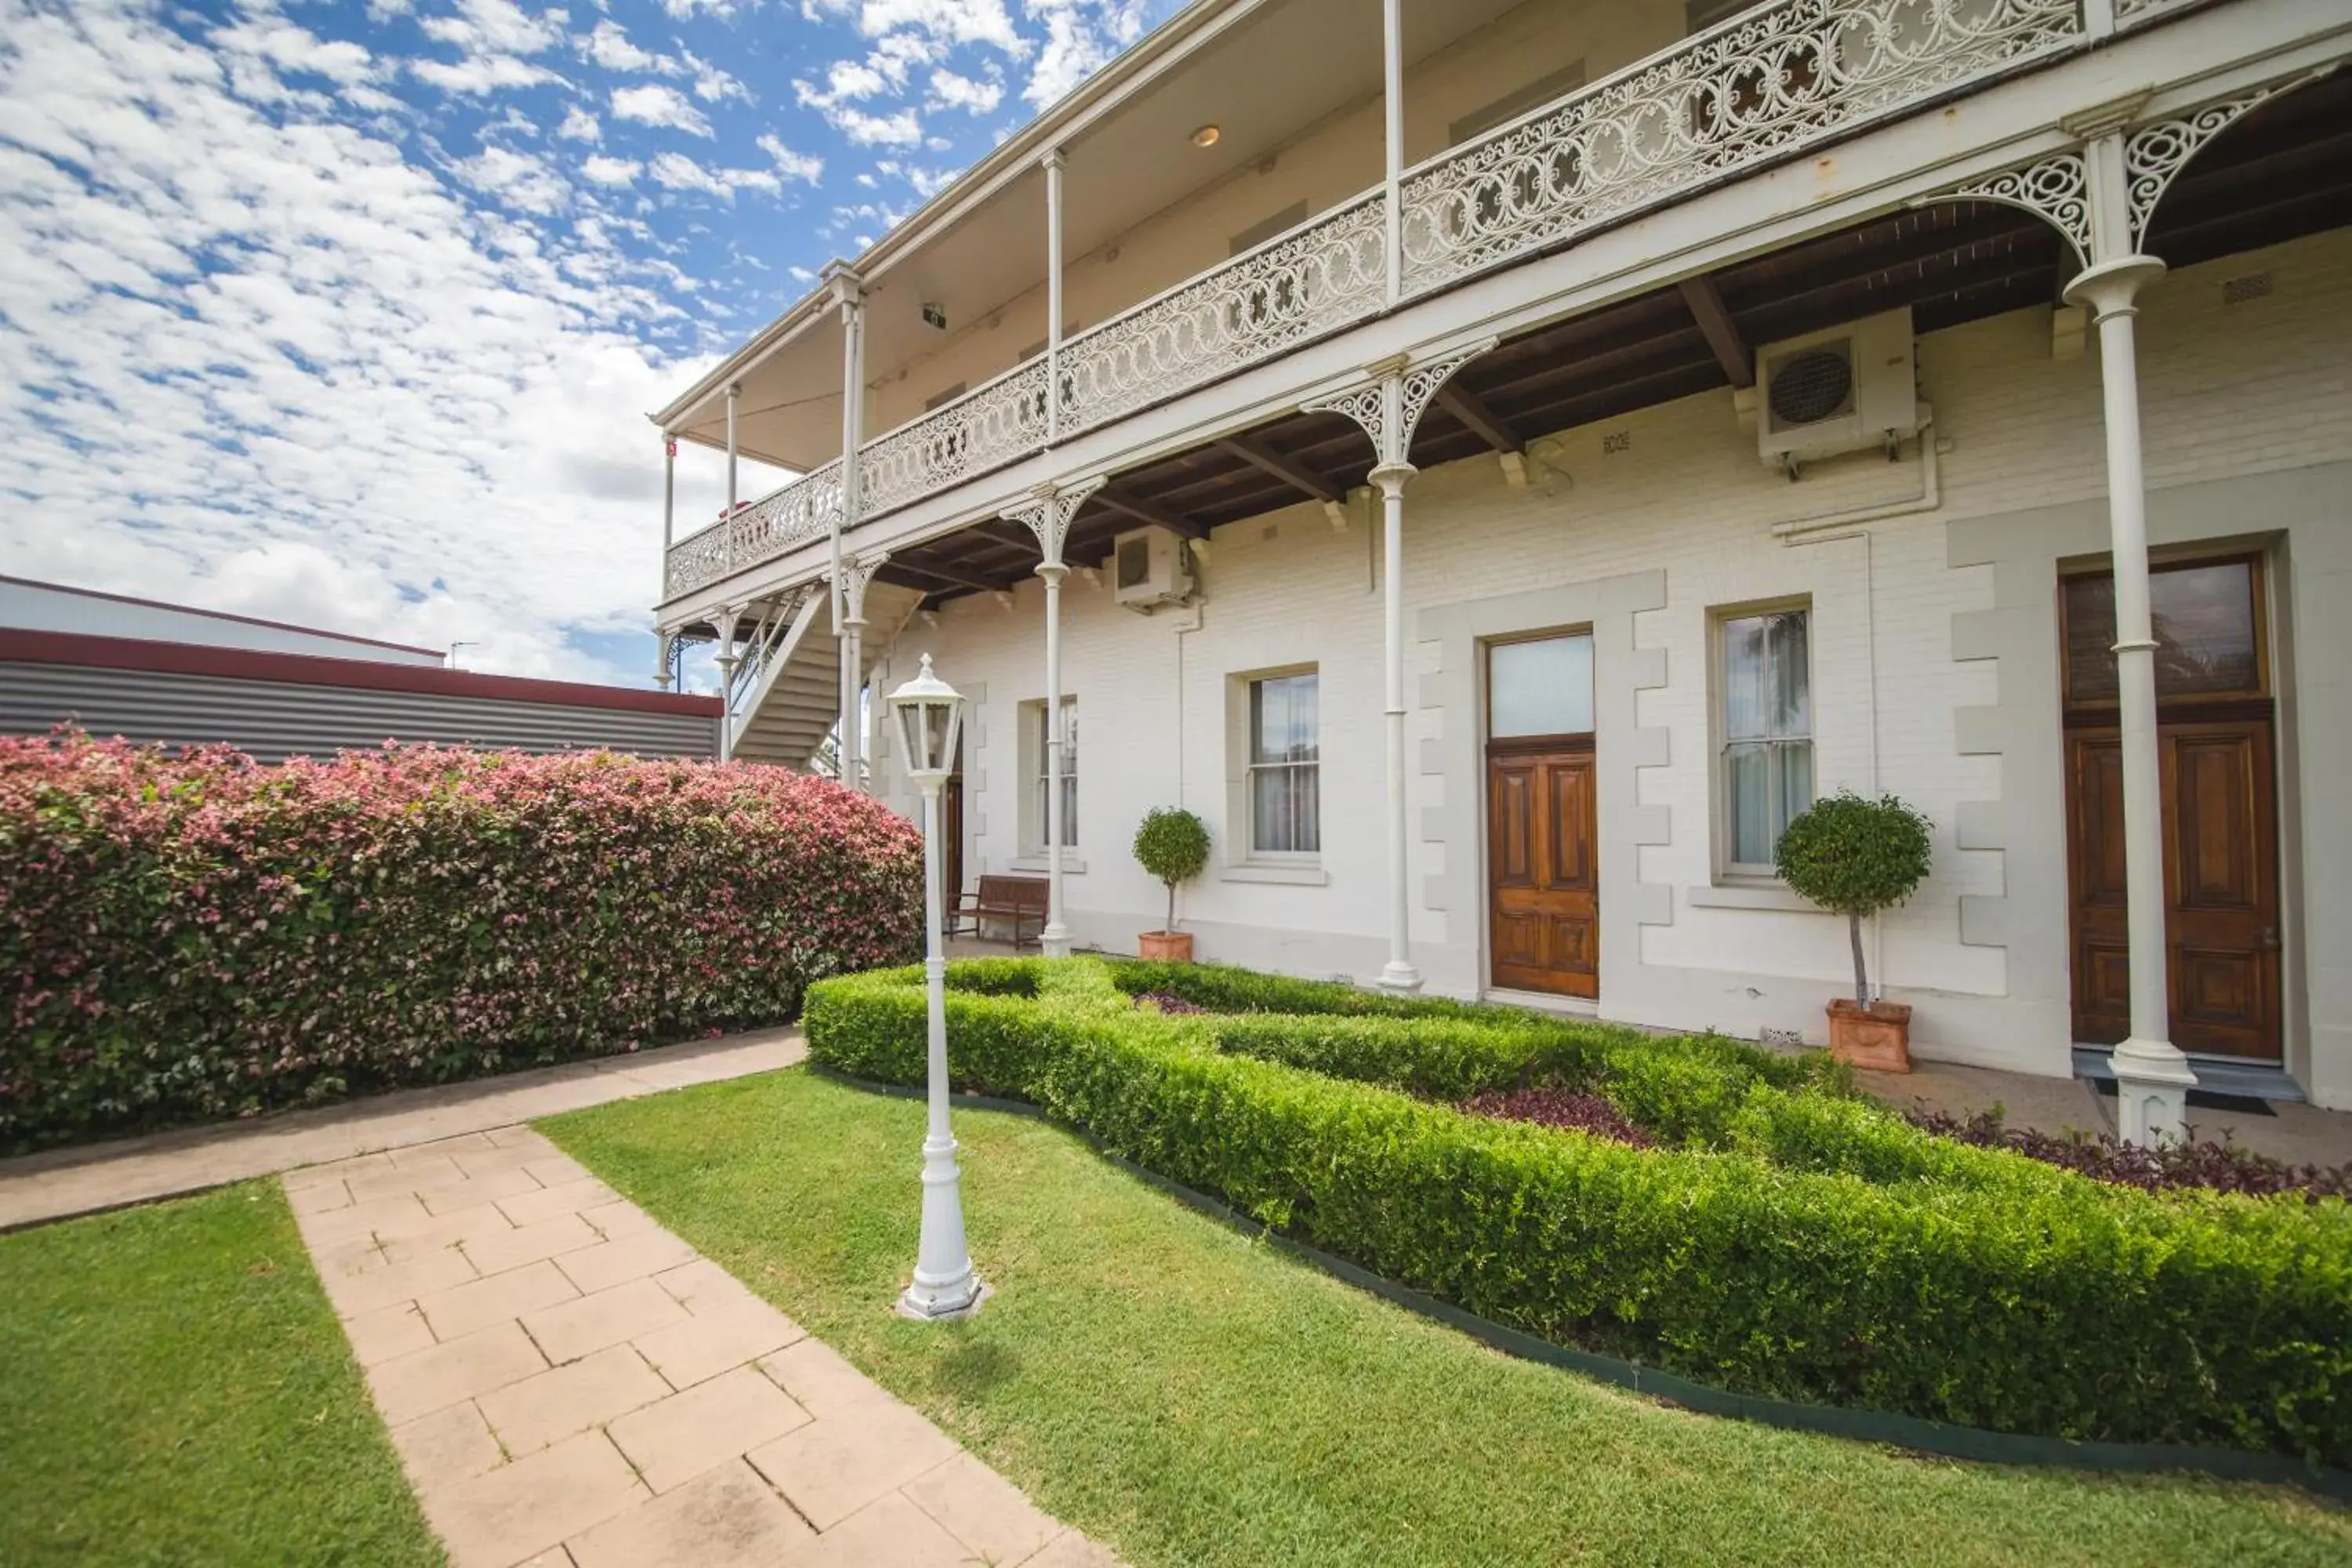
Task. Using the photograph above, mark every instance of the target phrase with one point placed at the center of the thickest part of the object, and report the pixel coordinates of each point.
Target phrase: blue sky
(350, 313)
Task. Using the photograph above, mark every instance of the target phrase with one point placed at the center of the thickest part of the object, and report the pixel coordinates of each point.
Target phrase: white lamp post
(930, 713)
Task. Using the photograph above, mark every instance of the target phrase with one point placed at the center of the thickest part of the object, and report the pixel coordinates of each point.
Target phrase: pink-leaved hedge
(188, 936)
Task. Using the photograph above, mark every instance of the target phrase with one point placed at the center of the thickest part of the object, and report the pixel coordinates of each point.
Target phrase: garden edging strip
(1943, 1439)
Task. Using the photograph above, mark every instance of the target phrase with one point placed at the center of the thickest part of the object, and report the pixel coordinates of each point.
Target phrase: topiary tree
(1856, 857)
(1173, 846)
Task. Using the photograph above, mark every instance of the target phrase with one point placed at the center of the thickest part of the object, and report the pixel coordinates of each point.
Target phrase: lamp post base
(928, 1306)
(1054, 940)
(1397, 976)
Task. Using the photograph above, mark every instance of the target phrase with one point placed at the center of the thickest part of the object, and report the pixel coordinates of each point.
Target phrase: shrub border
(1946, 1439)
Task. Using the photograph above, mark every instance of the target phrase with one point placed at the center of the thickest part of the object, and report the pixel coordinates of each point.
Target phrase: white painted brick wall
(2226, 390)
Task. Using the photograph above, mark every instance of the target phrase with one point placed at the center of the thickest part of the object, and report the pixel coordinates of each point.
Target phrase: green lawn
(1192, 1398)
(175, 1390)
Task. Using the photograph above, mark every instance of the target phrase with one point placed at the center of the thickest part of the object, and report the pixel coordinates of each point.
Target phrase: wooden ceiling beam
(1143, 510)
(1267, 460)
(1721, 332)
(946, 576)
(1004, 532)
(1483, 421)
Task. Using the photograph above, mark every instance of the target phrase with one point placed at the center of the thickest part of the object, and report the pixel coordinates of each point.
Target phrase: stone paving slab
(57, 1184)
(569, 1386)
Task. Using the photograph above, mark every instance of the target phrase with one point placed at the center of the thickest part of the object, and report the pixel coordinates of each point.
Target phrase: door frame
(2260, 561)
(1481, 744)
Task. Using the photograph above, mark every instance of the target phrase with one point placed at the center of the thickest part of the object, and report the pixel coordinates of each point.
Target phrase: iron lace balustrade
(985, 429)
(697, 559)
(782, 521)
(1327, 274)
(1768, 81)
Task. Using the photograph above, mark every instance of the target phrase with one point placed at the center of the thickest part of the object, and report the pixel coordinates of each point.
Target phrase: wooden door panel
(2220, 859)
(1511, 820)
(1543, 875)
(2095, 776)
(2213, 830)
(2219, 990)
(1572, 820)
(1573, 945)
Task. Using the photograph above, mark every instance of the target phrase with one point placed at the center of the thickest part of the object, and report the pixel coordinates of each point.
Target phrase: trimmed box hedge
(1788, 1240)
(190, 936)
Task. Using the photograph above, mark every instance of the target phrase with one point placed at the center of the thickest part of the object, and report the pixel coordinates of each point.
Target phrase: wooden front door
(1543, 862)
(2215, 751)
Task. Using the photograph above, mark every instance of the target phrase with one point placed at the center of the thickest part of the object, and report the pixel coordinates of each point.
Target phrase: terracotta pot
(1168, 944)
(1877, 1038)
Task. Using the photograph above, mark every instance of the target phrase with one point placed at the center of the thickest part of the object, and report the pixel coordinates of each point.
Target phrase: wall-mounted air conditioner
(1151, 567)
(1846, 389)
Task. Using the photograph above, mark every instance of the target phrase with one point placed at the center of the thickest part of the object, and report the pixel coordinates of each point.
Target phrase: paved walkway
(2297, 1133)
(38, 1187)
(572, 1386)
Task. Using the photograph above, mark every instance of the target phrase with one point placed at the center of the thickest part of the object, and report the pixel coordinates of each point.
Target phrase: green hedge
(187, 936)
(1796, 1244)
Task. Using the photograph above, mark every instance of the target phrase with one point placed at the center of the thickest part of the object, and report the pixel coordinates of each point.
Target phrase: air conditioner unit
(1848, 389)
(1151, 567)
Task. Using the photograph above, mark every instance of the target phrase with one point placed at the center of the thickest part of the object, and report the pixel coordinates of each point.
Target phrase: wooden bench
(1017, 901)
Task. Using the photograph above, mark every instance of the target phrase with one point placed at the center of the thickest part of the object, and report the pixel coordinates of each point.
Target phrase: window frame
(1243, 772)
(1728, 870)
(1035, 760)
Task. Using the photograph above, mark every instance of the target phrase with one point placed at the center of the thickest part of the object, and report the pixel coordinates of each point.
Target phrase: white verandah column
(848, 290)
(734, 393)
(2152, 1075)
(1048, 516)
(1388, 407)
(1392, 134)
(669, 534)
(850, 592)
(1052, 162)
(1399, 974)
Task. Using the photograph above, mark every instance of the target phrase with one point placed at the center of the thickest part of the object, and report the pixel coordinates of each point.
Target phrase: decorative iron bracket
(856, 574)
(1390, 405)
(2056, 189)
(1047, 514)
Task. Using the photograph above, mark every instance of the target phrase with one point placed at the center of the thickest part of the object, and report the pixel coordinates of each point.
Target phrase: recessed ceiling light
(1206, 136)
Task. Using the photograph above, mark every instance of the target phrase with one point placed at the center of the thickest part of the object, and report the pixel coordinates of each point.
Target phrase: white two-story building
(1496, 463)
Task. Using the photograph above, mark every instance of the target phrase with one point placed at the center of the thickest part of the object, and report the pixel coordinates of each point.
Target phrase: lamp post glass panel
(931, 714)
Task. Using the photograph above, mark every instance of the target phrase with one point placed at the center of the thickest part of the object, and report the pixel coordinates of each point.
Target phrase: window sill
(1036, 861)
(1750, 896)
(1300, 875)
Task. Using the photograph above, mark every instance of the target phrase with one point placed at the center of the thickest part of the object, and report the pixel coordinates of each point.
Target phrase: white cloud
(609, 46)
(498, 26)
(949, 90)
(1079, 36)
(949, 22)
(678, 172)
(899, 130)
(580, 125)
(603, 171)
(521, 180)
(476, 74)
(492, 37)
(844, 80)
(655, 104)
(710, 83)
(286, 47)
(927, 183)
(848, 80)
(269, 365)
(806, 167)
